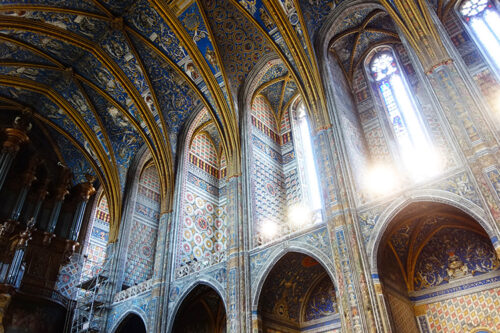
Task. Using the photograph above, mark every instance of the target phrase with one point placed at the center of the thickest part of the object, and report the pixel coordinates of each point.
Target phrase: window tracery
(401, 112)
(307, 166)
(483, 19)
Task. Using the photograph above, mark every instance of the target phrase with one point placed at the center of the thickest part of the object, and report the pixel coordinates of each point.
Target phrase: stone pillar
(163, 270)
(16, 137)
(238, 315)
(83, 192)
(472, 130)
(456, 92)
(61, 191)
(355, 305)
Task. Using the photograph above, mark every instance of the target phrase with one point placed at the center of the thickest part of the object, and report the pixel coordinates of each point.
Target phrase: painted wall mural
(453, 254)
(95, 249)
(202, 237)
(298, 293)
(143, 229)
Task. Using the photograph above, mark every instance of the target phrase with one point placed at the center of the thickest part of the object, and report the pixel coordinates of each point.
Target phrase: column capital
(41, 192)
(29, 176)
(17, 134)
(64, 182)
(86, 189)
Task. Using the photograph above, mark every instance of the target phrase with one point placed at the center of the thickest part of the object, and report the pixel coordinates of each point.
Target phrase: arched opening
(143, 228)
(201, 231)
(202, 311)
(297, 296)
(281, 163)
(434, 263)
(131, 324)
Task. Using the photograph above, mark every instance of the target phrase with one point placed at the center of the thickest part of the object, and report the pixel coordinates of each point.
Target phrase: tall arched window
(409, 132)
(307, 166)
(484, 20)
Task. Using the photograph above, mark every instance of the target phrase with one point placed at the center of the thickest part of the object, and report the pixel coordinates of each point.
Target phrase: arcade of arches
(266, 166)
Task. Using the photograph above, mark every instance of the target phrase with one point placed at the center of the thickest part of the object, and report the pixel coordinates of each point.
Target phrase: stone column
(61, 191)
(355, 305)
(16, 137)
(236, 290)
(83, 192)
(163, 270)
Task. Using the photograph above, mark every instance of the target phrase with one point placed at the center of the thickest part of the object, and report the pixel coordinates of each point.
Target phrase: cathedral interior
(264, 166)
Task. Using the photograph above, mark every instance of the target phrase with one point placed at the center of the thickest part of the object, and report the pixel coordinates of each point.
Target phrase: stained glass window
(309, 165)
(401, 111)
(484, 20)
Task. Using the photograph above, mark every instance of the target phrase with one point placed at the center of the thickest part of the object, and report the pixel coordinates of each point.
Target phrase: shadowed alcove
(298, 295)
(131, 324)
(202, 311)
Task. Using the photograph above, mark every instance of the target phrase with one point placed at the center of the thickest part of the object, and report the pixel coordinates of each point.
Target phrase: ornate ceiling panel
(315, 13)
(242, 42)
(123, 136)
(359, 31)
(287, 284)
(85, 5)
(273, 93)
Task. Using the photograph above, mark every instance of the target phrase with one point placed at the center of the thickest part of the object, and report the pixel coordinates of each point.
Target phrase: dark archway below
(298, 296)
(202, 311)
(132, 324)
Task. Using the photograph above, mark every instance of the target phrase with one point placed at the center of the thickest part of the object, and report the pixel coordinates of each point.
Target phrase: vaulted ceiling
(105, 78)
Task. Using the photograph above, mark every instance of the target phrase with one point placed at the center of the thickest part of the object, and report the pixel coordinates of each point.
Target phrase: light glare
(299, 215)
(381, 180)
(269, 229)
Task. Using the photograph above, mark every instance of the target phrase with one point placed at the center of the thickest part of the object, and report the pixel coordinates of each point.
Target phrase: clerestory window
(483, 19)
(408, 130)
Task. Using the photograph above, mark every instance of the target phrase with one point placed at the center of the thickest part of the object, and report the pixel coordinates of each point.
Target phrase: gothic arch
(277, 255)
(135, 311)
(432, 196)
(204, 280)
(307, 258)
(190, 176)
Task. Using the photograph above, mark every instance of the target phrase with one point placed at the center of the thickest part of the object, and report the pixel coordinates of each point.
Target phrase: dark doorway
(132, 324)
(201, 312)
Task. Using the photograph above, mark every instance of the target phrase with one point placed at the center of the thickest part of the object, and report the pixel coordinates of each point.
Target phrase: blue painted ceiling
(108, 77)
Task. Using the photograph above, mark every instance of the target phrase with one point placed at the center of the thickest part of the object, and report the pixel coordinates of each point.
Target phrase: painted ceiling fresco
(361, 29)
(283, 296)
(438, 246)
(109, 77)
